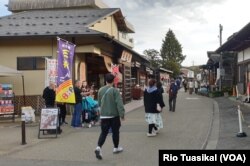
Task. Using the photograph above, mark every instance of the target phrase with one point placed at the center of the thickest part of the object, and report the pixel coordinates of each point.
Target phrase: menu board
(6, 99)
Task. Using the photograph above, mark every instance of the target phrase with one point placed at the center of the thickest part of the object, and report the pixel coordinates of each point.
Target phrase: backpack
(173, 89)
(178, 82)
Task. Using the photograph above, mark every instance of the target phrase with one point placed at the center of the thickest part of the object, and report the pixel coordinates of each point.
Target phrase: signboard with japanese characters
(126, 56)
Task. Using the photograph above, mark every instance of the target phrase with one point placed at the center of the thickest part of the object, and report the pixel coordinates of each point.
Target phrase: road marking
(192, 98)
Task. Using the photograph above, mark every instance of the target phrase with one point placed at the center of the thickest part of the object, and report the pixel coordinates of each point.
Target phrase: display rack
(7, 101)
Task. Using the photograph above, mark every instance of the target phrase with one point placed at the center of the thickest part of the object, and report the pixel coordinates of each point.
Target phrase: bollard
(23, 130)
(237, 92)
(241, 133)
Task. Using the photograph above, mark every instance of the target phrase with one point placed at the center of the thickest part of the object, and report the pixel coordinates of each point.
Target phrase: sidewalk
(10, 140)
(229, 124)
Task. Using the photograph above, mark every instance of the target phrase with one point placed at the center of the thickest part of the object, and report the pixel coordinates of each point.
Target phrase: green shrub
(228, 89)
(216, 94)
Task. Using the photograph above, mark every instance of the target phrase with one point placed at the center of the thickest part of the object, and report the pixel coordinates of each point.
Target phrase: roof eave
(233, 44)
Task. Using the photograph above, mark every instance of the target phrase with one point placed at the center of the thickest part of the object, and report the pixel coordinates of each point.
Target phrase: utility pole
(220, 60)
(221, 29)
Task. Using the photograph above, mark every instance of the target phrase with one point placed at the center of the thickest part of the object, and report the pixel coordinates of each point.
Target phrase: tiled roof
(53, 22)
(24, 5)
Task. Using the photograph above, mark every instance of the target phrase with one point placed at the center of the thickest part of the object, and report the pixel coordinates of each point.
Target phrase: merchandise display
(6, 99)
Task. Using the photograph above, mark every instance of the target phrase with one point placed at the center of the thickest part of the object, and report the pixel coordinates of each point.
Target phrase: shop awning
(88, 49)
(6, 71)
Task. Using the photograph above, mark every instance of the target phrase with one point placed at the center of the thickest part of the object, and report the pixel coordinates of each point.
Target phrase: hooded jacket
(152, 97)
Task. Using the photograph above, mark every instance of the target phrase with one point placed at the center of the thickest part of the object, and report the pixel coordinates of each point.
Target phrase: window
(30, 63)
(124, 35)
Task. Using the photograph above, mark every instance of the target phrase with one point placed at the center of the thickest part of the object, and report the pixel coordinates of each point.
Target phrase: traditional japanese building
(101, 36)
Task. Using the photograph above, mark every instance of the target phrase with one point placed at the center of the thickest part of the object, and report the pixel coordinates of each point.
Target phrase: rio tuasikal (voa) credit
(205, 158)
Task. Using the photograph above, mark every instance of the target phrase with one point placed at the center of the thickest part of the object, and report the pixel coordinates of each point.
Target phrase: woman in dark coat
(153, 97)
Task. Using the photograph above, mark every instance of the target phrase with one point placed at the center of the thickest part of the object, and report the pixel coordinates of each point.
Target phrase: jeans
(172, 102)
(106, 124)
(76, 118)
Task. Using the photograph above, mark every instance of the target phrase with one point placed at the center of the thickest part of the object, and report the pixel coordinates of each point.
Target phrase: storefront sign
(151, 72)
(65, 92)
(164, 76)
(147, 69)
(49, 118)
(126, 56)
(136, 64)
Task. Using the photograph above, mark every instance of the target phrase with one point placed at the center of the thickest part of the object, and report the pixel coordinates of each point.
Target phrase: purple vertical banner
(65, 90)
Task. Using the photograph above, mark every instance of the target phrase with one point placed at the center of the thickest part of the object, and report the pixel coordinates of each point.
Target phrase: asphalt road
(187, 128)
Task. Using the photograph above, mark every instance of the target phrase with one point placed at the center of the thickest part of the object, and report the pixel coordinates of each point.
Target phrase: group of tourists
(109, 102)
(110, 108)
(192, 85)
(86, 109)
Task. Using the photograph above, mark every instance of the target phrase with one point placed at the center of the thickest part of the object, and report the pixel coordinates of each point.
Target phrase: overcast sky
(194, 22)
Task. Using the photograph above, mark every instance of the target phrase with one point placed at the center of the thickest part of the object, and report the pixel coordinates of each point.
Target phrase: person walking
(159, 87)
(173, 90)
(185, 85)
(76, 118)
(111, 111)
(196, 86)
(191, 86)
(152, 97)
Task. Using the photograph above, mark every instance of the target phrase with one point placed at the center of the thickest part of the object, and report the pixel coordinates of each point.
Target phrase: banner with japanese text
(65, 91)
(51, 71)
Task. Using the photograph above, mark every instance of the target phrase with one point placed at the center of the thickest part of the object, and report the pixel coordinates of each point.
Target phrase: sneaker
(65, 122)
(117, 150)
(90, 125)
(151, 134)
(156, 131)
(98, 153)
(82, 124)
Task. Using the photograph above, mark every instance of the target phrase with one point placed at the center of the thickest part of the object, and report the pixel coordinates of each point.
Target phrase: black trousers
(106, 124)
(172, 102)
(62, 114)
(151, 127)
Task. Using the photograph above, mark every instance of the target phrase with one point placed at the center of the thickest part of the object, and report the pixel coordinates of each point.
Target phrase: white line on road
(192, 98)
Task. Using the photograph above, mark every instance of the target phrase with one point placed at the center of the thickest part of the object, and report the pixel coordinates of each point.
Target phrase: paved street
(187, 128)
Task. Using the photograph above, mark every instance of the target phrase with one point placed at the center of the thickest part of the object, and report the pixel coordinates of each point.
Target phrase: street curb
(213, 132)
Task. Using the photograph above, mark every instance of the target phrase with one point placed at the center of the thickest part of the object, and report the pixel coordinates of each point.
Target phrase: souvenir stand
(7, 93)
(7, 100)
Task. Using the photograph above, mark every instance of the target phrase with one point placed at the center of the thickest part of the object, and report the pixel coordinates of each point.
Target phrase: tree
(153, 56)
(171, 53)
